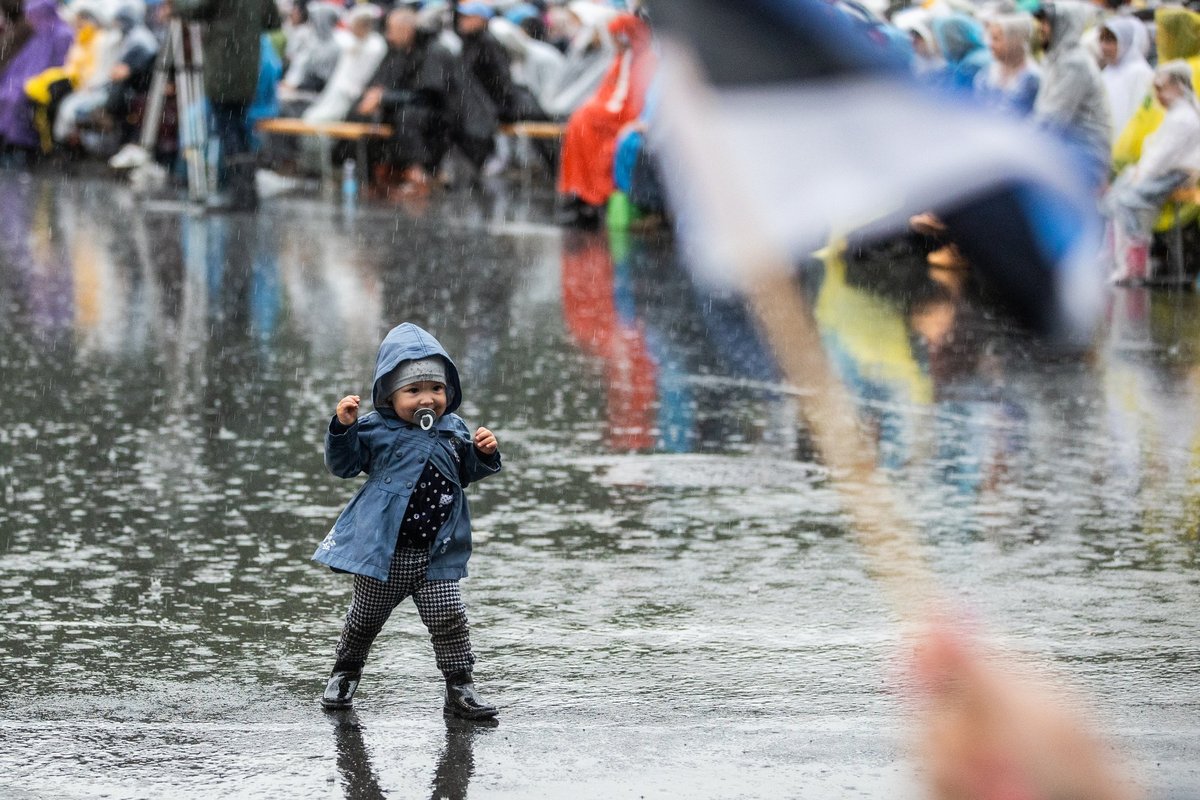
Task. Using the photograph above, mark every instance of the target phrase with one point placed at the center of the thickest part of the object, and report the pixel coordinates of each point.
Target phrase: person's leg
(445, 616)
(372, 604)
(236, 162)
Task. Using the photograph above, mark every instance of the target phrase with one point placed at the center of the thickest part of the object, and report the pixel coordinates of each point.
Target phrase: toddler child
(407, 532)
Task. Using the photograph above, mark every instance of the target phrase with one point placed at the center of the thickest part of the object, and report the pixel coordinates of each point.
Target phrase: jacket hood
(403, 343)
(957, 36)
(1177, 31)
(1068, 18)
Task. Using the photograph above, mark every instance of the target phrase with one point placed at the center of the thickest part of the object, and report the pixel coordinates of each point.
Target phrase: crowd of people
(1117, 82)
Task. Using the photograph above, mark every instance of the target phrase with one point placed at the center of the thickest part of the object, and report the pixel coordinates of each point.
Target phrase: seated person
(430, 101)
(360, 58)
(585, 180)
(312, 60)
(46, 47)
(1170, 158)
(130, 77)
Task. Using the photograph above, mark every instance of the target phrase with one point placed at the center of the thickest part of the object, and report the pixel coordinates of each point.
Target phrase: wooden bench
(534, 130)
(326, 132)
(361, 132)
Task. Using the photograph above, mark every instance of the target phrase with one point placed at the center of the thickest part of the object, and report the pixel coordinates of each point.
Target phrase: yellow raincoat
(1178, 37)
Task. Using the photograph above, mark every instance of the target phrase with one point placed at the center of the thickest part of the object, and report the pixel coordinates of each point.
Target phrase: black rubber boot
(339, 693)
(463, 701)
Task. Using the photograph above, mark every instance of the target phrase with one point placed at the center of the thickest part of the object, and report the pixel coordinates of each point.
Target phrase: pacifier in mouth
(424, 418)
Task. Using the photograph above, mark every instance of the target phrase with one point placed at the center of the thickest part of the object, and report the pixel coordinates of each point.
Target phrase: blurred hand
(371, 100)
(990, 733)
(347, 409)
(119, 72)
(485, 441)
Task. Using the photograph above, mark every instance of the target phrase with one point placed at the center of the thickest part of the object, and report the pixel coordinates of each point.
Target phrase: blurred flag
(787, 121)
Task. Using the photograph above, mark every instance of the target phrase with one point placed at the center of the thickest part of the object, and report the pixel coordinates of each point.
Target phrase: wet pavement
(666, 599)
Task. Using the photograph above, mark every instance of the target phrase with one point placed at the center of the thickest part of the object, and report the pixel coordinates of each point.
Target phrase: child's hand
(347, 409)
(485, 441)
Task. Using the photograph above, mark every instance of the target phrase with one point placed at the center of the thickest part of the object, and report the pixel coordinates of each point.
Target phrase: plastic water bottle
(349, 182)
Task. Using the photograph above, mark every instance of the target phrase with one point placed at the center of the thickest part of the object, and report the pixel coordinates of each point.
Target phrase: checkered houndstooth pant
(439, 604)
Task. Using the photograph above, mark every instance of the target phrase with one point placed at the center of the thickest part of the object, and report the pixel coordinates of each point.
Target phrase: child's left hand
(485, 441)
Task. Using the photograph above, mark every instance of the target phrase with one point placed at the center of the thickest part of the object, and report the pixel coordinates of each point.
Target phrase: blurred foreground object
(993, 731)
(786, 122)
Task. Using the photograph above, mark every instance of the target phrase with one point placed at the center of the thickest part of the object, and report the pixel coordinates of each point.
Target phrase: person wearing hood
(407, 531)
(1170, 158)
(488, 61)
(312, 60)
(1177, 36)
(1010, 82)
(585, 179)
(535, 65)
(1126, 73)
(14, 30)
(57, 92)
(916, 22)
(1072, 100)
(130, 75)
(960, 40)
(358, 61)
(589, 52)
(46, 47)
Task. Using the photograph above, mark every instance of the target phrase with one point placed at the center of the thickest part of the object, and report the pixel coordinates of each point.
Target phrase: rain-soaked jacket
(1177, 31)
(1072, 96)
(394, 453)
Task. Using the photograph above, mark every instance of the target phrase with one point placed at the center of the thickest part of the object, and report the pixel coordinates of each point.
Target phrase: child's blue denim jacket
(393, 453)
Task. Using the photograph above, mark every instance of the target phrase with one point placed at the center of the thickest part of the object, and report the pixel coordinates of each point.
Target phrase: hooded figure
(1127, 77)
(1072, 99)
(589, 56)
(46, 47)
(586, 176)
(358, 61)
(1177, 34)
(314, 62)
(394, 453)
(535, 65)
(960, 39)
(1170, 158)
(14, 31)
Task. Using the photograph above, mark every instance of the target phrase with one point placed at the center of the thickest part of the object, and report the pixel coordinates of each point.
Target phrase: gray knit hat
(412, 371)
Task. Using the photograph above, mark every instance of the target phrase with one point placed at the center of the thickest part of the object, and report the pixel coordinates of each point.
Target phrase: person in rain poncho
(960, 40)
(130, 73)
(134, 71)
(56, 93)
(1177, 36)
(535, 65)
(14, 30)
(313, 60)
(1072, 99)
(585, 179)
(916, 22)
(1126, 74)
(1011, 80)
(357, 63)
(486, 59)
(46, 47)
(589, 57)
(1170, 158)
